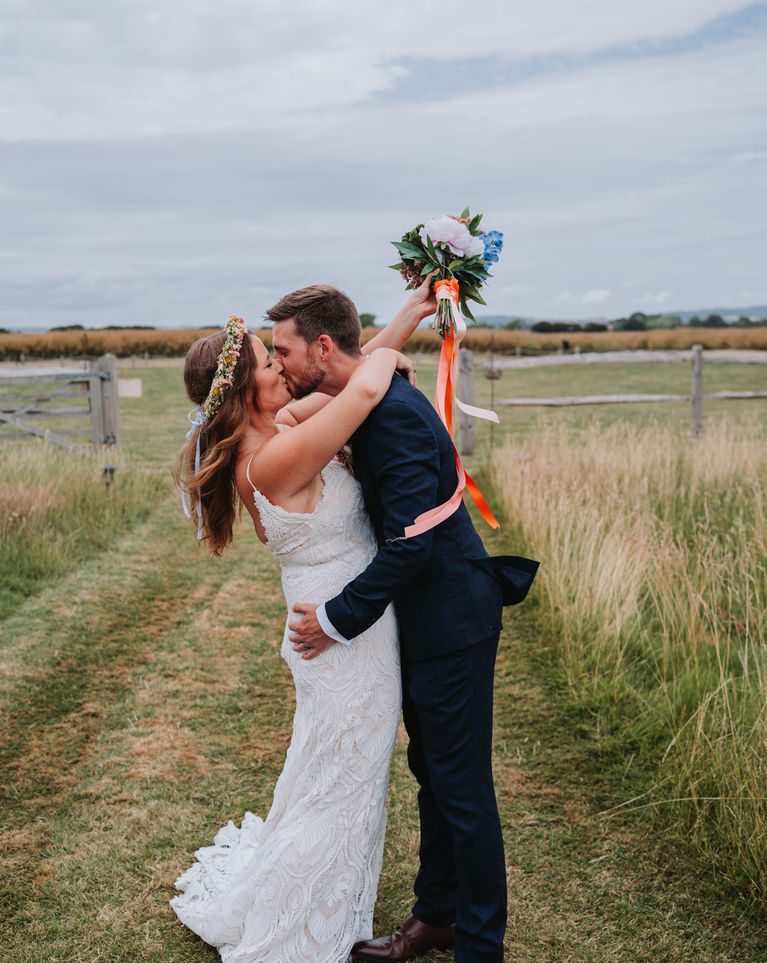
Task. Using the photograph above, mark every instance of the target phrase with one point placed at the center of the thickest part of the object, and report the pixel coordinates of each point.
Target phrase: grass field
(654, 578)
(143, 704)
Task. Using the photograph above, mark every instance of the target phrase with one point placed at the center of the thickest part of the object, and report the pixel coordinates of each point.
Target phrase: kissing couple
(378, 625)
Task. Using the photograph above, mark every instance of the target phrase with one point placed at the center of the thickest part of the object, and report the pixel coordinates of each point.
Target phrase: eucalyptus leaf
(466, 212)
(474, 222)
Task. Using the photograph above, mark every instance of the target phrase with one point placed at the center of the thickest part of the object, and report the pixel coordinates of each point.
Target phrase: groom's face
(302, 369)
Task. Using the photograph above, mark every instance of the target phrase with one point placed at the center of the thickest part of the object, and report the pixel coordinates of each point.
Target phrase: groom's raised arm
(404, 458)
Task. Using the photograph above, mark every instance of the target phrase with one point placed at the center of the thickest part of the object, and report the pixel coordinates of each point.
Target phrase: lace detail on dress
(300, 886)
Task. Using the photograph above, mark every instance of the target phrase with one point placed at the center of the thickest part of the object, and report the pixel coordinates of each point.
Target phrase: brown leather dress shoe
(411, 939)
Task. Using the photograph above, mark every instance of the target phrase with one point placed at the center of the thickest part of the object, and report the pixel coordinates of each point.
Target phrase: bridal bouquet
(454, 246)
(462, 254)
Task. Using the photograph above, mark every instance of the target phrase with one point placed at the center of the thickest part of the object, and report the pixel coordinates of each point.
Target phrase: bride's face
(272, 391)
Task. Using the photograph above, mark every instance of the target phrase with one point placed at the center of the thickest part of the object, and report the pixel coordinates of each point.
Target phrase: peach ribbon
(447, 382)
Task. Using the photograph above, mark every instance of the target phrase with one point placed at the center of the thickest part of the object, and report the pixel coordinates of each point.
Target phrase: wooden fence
(695, 398)
(29, 396)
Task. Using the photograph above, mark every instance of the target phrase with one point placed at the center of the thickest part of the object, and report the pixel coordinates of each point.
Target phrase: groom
(448, 597)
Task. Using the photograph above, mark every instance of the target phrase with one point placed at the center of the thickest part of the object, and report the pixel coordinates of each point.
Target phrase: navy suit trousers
(448, 713)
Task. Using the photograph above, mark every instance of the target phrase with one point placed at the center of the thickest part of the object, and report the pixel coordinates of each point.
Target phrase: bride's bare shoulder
(261, 470)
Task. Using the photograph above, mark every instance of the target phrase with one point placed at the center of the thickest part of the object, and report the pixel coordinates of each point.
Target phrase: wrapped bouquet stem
(455, 247)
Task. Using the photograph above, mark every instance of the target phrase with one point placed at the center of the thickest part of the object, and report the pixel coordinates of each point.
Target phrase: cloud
(83, 70)
(160, 163)
(654, 297)
(596, 296)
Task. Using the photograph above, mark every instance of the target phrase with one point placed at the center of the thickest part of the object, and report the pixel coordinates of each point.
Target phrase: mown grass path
(144, 703)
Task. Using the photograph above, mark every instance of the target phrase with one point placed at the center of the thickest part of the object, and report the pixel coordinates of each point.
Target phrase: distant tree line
(106, 327)
(639, 321)
(561, 327)
(646, 322)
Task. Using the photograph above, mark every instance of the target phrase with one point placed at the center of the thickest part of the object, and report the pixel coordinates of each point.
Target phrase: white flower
(446, 230)
(474, 247)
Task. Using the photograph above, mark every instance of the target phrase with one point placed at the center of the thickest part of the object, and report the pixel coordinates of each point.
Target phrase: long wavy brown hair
(213, 487)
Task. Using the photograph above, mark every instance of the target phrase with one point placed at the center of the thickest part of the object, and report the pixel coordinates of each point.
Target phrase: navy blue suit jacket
(445, 600)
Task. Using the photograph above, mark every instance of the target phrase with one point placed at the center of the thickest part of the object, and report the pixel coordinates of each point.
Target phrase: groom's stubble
(308, 381)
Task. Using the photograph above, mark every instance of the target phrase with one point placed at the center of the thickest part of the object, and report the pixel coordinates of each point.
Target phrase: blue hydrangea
(493, 241)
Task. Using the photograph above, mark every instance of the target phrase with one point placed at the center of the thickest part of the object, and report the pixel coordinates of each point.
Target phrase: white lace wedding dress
(299, 886)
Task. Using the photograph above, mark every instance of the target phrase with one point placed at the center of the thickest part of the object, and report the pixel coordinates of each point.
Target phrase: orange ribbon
(446, 379)
(451, 286)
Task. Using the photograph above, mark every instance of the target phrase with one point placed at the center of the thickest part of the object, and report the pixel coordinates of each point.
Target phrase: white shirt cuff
(327, 626)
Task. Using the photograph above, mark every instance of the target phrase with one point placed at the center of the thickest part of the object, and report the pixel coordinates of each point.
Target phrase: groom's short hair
(321, 309)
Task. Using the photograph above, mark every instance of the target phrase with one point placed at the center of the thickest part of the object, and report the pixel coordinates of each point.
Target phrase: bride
(301, 884)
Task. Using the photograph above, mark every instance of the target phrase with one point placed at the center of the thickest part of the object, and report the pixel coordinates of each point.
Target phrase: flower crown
(227, 360)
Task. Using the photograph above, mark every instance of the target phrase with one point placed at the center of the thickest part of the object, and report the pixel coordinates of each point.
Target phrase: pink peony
(446, 230)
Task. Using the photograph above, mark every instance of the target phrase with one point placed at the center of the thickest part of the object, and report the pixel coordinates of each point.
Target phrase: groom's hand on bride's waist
(306, 633)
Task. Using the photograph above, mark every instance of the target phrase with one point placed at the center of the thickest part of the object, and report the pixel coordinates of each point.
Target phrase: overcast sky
(176, 162)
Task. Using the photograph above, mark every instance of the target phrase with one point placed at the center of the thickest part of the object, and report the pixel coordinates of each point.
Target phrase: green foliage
(56, 511)
(555, 327)
(658, 603)
(367, 320)
(713, 321)
(636, 322)
(419, 258)
(126, 327)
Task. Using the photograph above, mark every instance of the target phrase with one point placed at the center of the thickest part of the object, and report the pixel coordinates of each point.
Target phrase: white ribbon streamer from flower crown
(198, 419)
(459, 329)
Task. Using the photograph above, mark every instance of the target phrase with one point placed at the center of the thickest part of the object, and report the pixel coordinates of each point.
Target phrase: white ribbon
(459, 326)
(197, 419)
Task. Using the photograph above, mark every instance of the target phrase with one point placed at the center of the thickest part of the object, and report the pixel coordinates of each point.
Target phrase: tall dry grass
(176, 342)
(654, 581)
(56, 510)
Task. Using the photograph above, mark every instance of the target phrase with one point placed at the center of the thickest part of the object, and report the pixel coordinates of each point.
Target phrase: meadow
(654, 585)
(143, 702)
(175, 342)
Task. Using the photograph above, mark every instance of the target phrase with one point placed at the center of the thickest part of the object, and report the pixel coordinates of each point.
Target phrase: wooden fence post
(697, 390)
(97, 409)
(466, 389)
(105, 422)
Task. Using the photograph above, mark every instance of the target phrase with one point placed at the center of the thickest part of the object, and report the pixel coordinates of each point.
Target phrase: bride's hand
(373, 378)
(406, 368)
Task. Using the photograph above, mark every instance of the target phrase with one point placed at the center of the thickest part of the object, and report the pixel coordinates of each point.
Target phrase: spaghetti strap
(247, 472)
